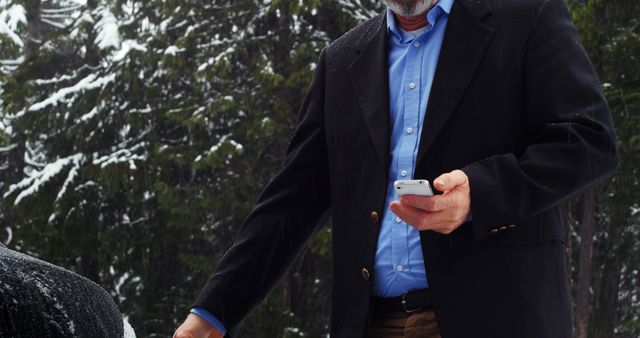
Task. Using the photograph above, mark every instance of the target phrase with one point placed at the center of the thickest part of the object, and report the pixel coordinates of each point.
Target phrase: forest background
(136, 135)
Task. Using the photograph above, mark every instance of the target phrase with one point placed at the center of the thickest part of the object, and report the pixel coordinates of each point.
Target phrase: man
(497, 103)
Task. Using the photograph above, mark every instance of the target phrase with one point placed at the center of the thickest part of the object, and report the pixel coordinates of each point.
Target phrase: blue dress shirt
(399, 264)
(206, 315)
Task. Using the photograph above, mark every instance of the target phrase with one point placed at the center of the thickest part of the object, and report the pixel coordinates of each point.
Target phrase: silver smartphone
(413, 187)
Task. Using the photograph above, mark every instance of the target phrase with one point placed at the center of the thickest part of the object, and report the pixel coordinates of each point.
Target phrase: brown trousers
(400, 325)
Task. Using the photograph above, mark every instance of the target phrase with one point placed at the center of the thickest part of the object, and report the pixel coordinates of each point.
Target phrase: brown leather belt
(413, 301)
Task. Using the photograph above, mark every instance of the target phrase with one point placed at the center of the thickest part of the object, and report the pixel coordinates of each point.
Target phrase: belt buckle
(404, 306)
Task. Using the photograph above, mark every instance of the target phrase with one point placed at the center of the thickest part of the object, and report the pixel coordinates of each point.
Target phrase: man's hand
(442, 213)
(196, 327)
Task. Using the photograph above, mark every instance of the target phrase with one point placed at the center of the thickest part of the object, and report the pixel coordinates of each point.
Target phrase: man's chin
(409, 7)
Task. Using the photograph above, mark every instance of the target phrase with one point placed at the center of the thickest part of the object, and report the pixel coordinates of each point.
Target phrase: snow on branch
(52, 23)
(127, 46)
(357, 9)
(60, 10)
(108, 35)
(9, 235)
(42, 82)
(120, 156)
(88, 116)
(29, 161)
(214, 60)
(223, 140)
(70, 177)
(37, 179)
(88, 83)
(10, 19)
(8, 148)
(15, 62)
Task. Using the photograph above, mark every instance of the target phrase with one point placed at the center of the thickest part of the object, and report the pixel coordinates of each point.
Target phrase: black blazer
(515, 104)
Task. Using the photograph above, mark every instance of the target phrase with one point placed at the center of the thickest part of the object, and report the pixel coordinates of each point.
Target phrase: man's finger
(448, 181)
(415, 217)
(427, 203)
(437, 221)
(215, 334)
(182, 334)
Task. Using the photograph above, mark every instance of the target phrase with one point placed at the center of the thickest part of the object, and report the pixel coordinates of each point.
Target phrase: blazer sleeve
(292, 207)
(571, 139)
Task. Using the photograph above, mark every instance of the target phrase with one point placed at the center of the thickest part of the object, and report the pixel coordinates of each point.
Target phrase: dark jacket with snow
(38, 299)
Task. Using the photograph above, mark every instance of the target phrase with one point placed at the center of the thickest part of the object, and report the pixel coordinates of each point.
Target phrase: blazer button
(365, 274)
(493, 231)
(375, 217)
(503, 228)
(511, 226)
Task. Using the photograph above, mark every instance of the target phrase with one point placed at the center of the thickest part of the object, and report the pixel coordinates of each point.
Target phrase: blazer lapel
(369, 76)
(465, 42)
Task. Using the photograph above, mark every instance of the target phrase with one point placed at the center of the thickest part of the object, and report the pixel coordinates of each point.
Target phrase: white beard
(409, 7)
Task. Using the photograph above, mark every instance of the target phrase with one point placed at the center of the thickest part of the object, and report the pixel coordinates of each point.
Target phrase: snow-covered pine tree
(139, 134)
(13, 26)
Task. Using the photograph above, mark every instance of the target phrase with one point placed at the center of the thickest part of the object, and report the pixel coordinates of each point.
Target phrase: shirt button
(412, 85)
(400, 268)
(416, 44)
(403, 173)
(409, 130)
(398, 219)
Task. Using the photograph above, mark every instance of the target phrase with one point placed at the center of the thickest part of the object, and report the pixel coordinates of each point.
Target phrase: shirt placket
(408, 142)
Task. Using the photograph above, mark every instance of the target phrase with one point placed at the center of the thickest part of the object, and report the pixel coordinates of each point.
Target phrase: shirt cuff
(204, 314)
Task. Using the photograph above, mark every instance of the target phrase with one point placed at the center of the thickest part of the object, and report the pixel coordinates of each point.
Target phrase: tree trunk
(605, 314)
(32, 43)
(587, 221)
(15, 157)
(13, 174)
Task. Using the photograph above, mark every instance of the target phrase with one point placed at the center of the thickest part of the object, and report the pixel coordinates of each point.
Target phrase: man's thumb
(440, 183)
(448, 181)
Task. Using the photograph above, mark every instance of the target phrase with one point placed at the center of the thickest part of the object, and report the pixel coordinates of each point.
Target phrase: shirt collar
(442, 7)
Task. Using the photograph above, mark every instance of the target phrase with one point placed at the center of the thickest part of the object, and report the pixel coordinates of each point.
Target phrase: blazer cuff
(211, 319)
